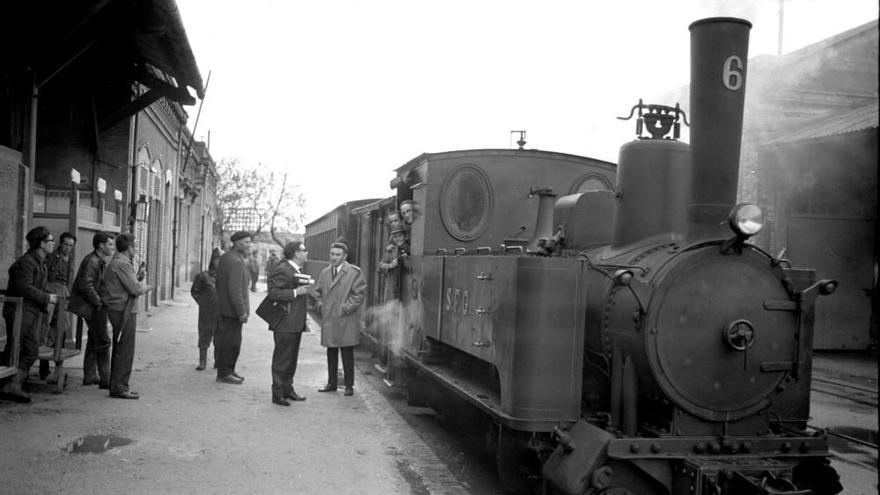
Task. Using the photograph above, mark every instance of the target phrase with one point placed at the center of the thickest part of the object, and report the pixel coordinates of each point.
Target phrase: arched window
(143, 166)
(591, 183)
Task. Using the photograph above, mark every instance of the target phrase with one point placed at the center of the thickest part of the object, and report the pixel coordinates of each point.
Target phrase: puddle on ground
(96, 444)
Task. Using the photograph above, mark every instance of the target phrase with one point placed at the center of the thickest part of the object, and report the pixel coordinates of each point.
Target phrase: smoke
(387, 324)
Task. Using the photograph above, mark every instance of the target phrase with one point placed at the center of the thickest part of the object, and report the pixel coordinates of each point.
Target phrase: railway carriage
(335, 224)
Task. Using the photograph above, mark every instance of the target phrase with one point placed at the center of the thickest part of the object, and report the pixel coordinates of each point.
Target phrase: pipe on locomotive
(719, 52)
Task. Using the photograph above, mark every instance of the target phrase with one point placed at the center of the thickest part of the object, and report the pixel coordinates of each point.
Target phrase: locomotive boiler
(626, 339)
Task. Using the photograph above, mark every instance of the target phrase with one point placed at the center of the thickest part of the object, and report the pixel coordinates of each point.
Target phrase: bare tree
(265, 198)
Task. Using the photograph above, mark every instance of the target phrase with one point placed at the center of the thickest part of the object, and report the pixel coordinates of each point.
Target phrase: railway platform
(189, 434)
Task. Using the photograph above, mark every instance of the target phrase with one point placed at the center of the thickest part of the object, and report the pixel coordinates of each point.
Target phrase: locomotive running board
(485, 399)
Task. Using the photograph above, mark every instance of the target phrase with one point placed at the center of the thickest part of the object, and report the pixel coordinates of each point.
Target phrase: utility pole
(781, 22)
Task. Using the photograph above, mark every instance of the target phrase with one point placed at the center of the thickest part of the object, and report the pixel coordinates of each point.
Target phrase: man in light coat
(340, 293)
(120, 288)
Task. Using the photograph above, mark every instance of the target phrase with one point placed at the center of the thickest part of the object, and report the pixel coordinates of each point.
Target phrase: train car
(335, 224)
(373, 234)
(615, 333)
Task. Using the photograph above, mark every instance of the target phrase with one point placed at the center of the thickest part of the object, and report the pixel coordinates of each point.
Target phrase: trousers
(98, 344)
(122, 358)
(284, 359)
(227, 345)
(29, 347)
(347, 365)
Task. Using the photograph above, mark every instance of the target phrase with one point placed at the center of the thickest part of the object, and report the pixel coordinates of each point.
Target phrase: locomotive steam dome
(713, 345)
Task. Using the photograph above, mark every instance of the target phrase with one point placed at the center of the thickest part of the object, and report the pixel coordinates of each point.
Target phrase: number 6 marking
(732, 76)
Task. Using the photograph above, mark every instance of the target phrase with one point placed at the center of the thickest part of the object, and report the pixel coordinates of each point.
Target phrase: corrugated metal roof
(862, 118)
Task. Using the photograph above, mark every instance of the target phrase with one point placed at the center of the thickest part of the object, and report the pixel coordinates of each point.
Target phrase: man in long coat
(288, 286)
(233, 302)
(340, 293)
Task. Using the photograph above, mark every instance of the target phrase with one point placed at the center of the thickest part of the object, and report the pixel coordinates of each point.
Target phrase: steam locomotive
(606, 330)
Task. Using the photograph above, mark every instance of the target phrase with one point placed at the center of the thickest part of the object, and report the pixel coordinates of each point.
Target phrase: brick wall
(12, 175)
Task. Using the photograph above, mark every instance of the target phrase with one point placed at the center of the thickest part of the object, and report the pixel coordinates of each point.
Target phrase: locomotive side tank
(470, 297)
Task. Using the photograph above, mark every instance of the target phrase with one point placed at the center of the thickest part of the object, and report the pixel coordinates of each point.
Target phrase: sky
(339, 93)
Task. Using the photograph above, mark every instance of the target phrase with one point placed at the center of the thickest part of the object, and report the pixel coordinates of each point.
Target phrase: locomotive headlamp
(827, 287)
(746, 219)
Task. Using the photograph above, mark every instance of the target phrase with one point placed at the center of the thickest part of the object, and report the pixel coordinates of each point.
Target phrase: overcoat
(233, 281)
(341, 301)
(282, 282)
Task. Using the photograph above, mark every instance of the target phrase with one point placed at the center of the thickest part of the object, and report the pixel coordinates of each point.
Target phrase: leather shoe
(237, 376)
(126, 395)
(327, 388)
(230, 379)
(280, 401)
(104, 385)
(91, 381)
(292, 395)
(349, 390)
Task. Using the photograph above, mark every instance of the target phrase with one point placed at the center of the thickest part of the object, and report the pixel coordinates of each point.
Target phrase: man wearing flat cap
(233, 302)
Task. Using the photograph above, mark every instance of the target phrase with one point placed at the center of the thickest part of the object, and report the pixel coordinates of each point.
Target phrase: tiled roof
(860, 119)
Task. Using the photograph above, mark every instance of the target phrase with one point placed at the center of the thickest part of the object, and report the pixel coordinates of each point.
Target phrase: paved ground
(189, 434)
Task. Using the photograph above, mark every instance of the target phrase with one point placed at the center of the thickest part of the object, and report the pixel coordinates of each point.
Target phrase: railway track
(857, 389)
(857, 392)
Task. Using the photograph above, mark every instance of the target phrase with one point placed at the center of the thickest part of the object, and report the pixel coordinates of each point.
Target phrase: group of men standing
(105, 289)
(339, 294)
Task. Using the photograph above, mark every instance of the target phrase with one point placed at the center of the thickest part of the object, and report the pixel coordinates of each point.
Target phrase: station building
(94, 136)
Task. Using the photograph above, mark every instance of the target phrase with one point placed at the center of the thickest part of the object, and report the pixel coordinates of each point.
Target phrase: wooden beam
(131, 108)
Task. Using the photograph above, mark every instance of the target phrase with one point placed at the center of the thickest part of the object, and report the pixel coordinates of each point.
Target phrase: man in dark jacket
(289, 286)
(59, 273)
(85, 302)
(204, 291)
(27, 279)
(253, 264)
(233, 303)
(271, 261)
(119, 290)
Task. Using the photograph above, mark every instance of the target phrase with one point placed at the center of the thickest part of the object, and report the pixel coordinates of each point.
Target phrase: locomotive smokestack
(719, 52)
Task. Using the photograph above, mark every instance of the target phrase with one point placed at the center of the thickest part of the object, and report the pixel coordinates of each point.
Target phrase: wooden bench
(12, 368)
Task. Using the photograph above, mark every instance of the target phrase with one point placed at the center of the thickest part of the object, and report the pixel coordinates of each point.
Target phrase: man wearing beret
(233, 301)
